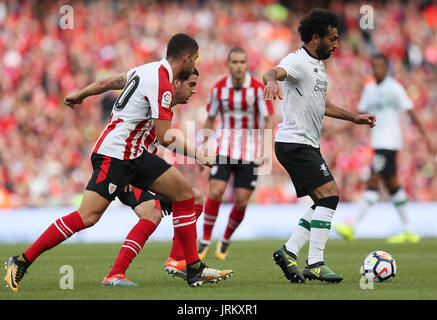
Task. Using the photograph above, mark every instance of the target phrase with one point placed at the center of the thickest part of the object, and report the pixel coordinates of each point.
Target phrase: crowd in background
(45, 147)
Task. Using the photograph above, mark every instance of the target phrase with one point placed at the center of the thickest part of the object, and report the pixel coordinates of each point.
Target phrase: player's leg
(92, 207)
(175, 264)
(218, 180)
(301, 233)
(97, 197)
(242, 196)
(286, 257)
(176, 250)
(370, 197)
(399, 198)
(144, 206)
(244, 183)
(327, 197)
(173, 185)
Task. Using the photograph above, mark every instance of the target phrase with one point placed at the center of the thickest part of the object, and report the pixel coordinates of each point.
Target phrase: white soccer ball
(379, 266)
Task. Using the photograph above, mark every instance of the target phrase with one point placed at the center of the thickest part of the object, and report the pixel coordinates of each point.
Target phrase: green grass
(256, 276)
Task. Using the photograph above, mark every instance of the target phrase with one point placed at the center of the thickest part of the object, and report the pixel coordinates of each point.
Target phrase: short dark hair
(183, 76)
(181, 44)
(317, 21)
(236, 49)
(380, 56)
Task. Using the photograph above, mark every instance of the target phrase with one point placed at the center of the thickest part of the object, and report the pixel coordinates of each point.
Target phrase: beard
(323, 52)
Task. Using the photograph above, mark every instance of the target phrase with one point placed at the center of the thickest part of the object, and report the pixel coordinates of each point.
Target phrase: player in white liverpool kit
(304, 87)
(387, 99)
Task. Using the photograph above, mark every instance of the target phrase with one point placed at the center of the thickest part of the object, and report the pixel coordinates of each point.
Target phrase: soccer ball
(379, 266)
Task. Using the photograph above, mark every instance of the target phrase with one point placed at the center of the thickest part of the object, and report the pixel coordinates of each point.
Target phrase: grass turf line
(256, 276)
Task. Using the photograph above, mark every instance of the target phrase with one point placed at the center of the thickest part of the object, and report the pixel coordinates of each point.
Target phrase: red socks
(211, 212)
(133, 244)
(184, 223)
(176, 250)
(57, 232)
(234, 221)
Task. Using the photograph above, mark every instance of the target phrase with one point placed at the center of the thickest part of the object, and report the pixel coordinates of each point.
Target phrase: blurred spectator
(45, 147)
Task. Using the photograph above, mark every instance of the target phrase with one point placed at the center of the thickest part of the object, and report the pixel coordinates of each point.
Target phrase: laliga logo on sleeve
(166, 99)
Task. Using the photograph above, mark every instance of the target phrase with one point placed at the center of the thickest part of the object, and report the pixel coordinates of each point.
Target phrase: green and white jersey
(386, 100)
(304, 89)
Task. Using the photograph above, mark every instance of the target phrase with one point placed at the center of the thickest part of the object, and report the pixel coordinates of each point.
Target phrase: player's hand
(206, 159)
(72, 99)
(273, 90)
(367, 119)
(262, 160)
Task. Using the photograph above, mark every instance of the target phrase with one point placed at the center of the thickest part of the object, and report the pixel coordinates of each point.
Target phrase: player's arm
(268, 127)
(272, 89)
(178, 143)
(333, 111)
(422, 129)
(115, 82)
(208, 125)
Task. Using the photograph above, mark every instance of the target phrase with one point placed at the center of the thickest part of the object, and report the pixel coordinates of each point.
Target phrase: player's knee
(154, 216)
(185, 194)
(216, 193)
(90, 218)
(373, 181)
(198, 197)
(148, 211)
(329, 202)
(241, 203)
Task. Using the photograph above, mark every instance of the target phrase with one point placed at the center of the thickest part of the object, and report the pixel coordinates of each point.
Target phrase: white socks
(314, 226)
(368, 200)
(301, 234)
(400, 200)
(320, 227)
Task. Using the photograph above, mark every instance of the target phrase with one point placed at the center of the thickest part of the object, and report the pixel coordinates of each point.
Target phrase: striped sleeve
(160, 95)
(214, 103)
(265, 107)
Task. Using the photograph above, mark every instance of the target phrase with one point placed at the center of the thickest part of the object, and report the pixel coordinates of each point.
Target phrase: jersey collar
(309, 53)
(166, 64)
(246, 83)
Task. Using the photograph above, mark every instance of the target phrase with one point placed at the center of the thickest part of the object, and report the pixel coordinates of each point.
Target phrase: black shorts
(384, 162)
(137, 196)
(244, 173)
(305, 165)
(111, 175)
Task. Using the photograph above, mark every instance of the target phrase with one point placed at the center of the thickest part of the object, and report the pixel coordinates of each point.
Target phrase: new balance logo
(324, 168)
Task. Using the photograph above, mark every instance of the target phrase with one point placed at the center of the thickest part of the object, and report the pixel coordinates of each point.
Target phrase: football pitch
(256, 276)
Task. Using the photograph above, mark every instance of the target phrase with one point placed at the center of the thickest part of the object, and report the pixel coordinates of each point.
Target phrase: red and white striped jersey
(147, 95)
(241, 113)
